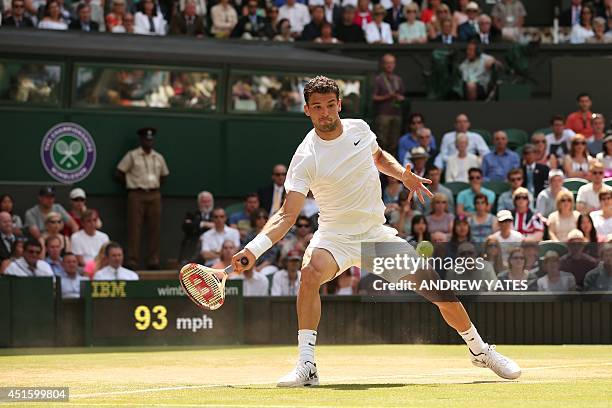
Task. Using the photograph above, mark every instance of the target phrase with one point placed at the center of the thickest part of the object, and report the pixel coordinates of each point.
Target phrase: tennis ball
(425, 249)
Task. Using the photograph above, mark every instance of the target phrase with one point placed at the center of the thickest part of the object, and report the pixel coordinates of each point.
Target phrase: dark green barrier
(157, 312)
(32, 312)
(5, 316)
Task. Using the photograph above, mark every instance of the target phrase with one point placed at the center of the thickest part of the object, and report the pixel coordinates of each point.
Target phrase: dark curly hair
(322, 85)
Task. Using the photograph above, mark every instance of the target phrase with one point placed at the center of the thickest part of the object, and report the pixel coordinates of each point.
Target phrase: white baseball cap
(504, 215)
(77, 193)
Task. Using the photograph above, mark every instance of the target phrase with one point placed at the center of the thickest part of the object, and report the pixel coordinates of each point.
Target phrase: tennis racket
(206, 286)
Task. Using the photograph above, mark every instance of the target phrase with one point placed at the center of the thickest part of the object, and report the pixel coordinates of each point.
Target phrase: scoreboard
(157, 313)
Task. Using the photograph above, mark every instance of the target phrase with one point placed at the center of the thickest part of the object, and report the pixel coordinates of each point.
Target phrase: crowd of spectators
(324, 21)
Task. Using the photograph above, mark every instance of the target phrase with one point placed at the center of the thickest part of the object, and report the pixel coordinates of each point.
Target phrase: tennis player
(339, 161)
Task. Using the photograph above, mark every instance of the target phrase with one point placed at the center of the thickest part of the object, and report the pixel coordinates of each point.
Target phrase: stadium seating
(574, 183)
(486, 135)
(456, 186)
(497, 187)
(516, 137)
(545, 130)
(608, 181)
(233, 208)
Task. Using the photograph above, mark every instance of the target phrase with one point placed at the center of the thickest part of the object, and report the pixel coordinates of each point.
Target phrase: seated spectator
(584, 29)
(410, 139)
(224, 18)
(148, 21)
(600, 278)
(482, 223)
(587, 227)
(562, 221)
(497, 164)
(419, 230)
(555, 280)
(18, 18)
(602, 219)
(212, 240)
(53, 228)
(588, 194)
(401, 219)
(605, 156)
(465, 199)
(194, 225)
(71, 279)
(78, 208)
(434, 174)
(114, 270)
(546, 201)
(461, 233)
(327, 36)
(531, 250)
(466, 21)
(333, 11)
(127, 26)
(528, 223)
(578, 160)
(99, 262)
(507, 236)
(266, 263)
(538, 140)
(299, 239)
(425, 139)
(53, 19)
(417, 159)
(599, 32)
(254, 283)
(460, 162)
(286, 282)
(571, 15)
(488, 34)
(476, 143)
(412, 31)
(581, 121)
(228, 250)
(7, 236)
(473, 272)
(6, 205)
(577, 261)
(30, 265)
(595, 142)
(517, 270)
(346, 30)
(428, 13)
(435, 28)
(242, 220)
(392, 190)
(84, 22)
(53, 249)
(558, 141)
(377, 31)
(460, 12)
(363, 14)
(189, 23)
(297, 14)
(515, 179)
(535, 175)
(445, 35)
(509, 17)
(87, 242)
(114, 19)
(394, 16)
(476, 72)
(493, 255)
(312, 30)
(271, 21)
(283, 28)
(440, 219)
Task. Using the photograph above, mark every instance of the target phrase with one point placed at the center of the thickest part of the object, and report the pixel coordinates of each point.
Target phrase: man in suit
(487, 34)
(84, 22)
(188, 22)
(312, 30)
(446, 36)
(346, 31)
(250, 26)
(17, 18)
(7, 238)
(470, 28)
(535, 175)
(272, 196)
(333, 12)
(395, 16)
(194, 225)
(571, 15)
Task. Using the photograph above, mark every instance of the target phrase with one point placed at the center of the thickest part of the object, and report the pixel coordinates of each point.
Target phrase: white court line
(331, 381)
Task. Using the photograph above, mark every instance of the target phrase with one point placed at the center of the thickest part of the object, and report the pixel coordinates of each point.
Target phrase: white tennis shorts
(346, 249)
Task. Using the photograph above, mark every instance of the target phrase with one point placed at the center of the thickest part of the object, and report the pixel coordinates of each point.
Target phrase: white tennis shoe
(498, 363)
(303, 375)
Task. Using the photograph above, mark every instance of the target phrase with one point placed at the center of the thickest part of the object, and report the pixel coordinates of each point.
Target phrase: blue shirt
(466, 197)
(495, 167)
(406, 143)
(56, 267)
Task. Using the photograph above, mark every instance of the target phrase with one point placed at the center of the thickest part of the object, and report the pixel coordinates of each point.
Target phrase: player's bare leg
(321, 268)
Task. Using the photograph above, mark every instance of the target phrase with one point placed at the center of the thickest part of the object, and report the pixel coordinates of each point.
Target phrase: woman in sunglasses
(576, 163)
(562, 221)
(54, 226)
(528, 223)
(517, 270)
(493, 254)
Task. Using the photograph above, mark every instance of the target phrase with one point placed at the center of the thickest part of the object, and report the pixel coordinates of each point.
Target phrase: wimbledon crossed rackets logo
(68, 152)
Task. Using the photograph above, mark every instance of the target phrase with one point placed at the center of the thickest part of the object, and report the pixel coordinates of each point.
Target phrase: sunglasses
(565, 200)
(597, 172)
(516, 179)
(521, 197)
(440, 202)
(54, 221)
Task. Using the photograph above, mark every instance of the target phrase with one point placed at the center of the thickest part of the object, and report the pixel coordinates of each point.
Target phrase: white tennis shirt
(343, 178)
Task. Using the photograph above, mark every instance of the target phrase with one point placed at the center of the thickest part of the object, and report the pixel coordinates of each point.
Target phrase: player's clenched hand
(416, 184)
(238, 266)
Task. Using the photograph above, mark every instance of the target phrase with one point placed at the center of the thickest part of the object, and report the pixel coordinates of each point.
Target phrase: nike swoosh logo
(475, 355)
(311, 375)
(357, 142)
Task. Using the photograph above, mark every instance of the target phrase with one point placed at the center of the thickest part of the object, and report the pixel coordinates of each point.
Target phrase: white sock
(473, 340)
(306, 343)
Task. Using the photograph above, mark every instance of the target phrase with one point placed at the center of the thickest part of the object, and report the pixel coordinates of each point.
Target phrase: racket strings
(203, 286)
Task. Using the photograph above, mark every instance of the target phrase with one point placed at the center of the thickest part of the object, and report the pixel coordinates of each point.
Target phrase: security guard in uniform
(143, 170)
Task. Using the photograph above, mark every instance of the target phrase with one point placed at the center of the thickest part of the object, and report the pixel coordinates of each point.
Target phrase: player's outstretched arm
(275, 229)
(387, 164)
